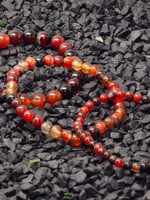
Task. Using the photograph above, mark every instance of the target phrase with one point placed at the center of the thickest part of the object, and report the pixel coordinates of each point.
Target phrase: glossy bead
(77, 123)
(70, 52)
(137, 97)
(10, 91)
(58, 61)
(129, 95)
(96, 101)
(29, 37)
(68, 62)
(127, 165)
(15, 37)
(64, 47)
(101, 151)
(31, 62)
(56, 131)
(106, 80)
(109, 123)
(93, 130)
(111, 96)
(112, 158)
(28, 116)
(12, 77)
(93, 70)
(84, 109)
(13, 72)
(37, 121)
(24, 65)
(121, 112)
(103, 98)
(77, 64)
(20, 110)
(56, 41)
(97, 146)
(12, 85)
(106, 155)
(116, 118)
(19, 69)
(119, 105)
(16, 102)
(75, 140)
(10, 98)
(85, 67)
(42, 38)
(53, 97)
(87, 140)
(145, 99)
(74, 83)
(77, 74)
(4, 40)
(136, 167)
(66, 135)
(119, 162)
(39, 61)
(25, 99)
(101, 127)
(81, 114)
(49, 60)
(46, 127)
(90, 105)
(65, 90)
(120, 95)
(38, 100)
(113, 85)
(100, 75)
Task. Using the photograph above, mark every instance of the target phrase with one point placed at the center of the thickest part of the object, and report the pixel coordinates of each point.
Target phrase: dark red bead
(112, 159)
(96, 101)
(15, 37)
(87, 140)
(97, 146)
(74, 83)
(21, 110)
(43, 38)
(56, 41)
(63, 47)
(129, 95)
(29, 37)
(106, 155)
(37, 121)
(16, 102)
(93, 130)
(58, 61)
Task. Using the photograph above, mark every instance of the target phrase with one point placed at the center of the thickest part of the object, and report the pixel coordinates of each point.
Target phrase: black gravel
(63, 172)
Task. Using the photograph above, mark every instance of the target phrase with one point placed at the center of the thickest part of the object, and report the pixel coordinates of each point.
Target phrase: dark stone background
(124, 54)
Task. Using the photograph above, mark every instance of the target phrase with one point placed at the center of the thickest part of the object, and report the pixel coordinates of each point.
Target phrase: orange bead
(101, 127)
(4, 40)
(31, 62)
(10, 91)
(76, 64)
(66, 135)
(53, 97)
(75, 140)
(38, 100)
(136, 167)
(121, 112)
(94, 69)
(49, 60)
(12, 85)
(84, 109)
(25, 99)
(109, 123)
(68, 62)
(56, 131)
(106, 80)
(85, 68)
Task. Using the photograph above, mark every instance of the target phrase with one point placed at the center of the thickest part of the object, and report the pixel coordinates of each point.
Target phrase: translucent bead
(46, 127)
(29, 37)
(13, 72)
(37, 121)
(12, 85)
(31, 62)
(119, 162)
(42, 38)
(56, 131)
(28, 116)
(68, 62)
(20, 110)
(94, 69)
(66, 135)
(49, 60)
(38, 100)
(12, 77)
(16, 102)
(109, 123)
(19, 68)
(10, 91)
(25, 99)
(64, 47)
(53, 97)
(15, 37)
(58, 61)
(85, 67)
(75, 140)
(76, 64)
(137, 97)
(56, 41)
(4, 40)
(24, 65)
(136, 167)
(101, 127)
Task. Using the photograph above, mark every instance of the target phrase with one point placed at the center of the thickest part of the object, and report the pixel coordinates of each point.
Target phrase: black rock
(79, 177)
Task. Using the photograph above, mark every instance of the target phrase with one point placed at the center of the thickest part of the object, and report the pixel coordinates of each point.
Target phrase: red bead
(90, 105)
(116, 118)
(84, 110)
(101, 127)
(14, 72)
(42, 38)
(49, 60)
(66, 135)
(56, 41)
(96, 101)
(15, 37)
(74, 83)
(120, 95)
(28, 116)
(31, 62)
(97, 146)
(109, 123)
(63, 47)
(137, 97)
(37, 121)
(129, 95)
(4, 40)
(119, 105)
(101, 151)
(75, 140)
(68, 62)
(113, 85)
(29, 37)
(58, 61)
(38, 100)
(80, 119)
(119, 162)
(25, 99)
(77, 123)
(12, 77)
(53, 97)
(87, 140)
(94, 69)
(81, 114)
(106, 80)
(16, 102)
(103, 98)
(20, 110)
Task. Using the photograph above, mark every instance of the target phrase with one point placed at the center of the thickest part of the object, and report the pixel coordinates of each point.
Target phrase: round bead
(97, 146)
(49, 60)
(28, 116)
(76, 64)
(75, 140)
(31, 62)
(93, 130)
(103, 98)
(116, 118)
(53, 97)
(119, 105)
(101, 151)
(42, 38)
(64, 47)
(84, 109)
(4, 40)
(109, 123)
(137, 97)
(113, 85)
(100, 75)
(56, 41)
(81, 114)
(87, 140)
(25, 99)
(119, 162)
(15, 37)
(106, 155)
(46, 127)
(37, 121)
(112, 158)
(70, 52)
(19, 68)
(12, 77)
(29, 37)
(16, 102)
(85, 67)
(96, 101)
(101, 127)
(56, 131)
(10, 98)
(77, 74)
(106, 80)
(20, 110)
(65, 90)
(74, 83)
(68, 62)
(127, 165)
(120, 95)
(12, 85)
(10, 91)
(66, 135)
(58, 61)
(90, 105)
(136, 167)
(24, 65)
(38, 100)
(129, 95)
(93, 70)
(13, 72)
(39, 61)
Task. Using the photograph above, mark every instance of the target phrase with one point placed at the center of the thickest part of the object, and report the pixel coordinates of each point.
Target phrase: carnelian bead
(66, 135)
(119, 105)
(29, 37)
(25, 99)
(23, 66)
(28, 116)
(97, 146)
(58, 61)
(42, 38)
(101, 151)
(10, 91)
(136, 167)
(137, 97)
(31, 62)
(77, 123)
(4, 40)
(87, 140)
(80, 119)
(19, 68)
(68, 62)
(81, 114)
(75, 140)
(93, 70)
(37, 121)
(15, 37)
(46, 127)
(76, 64)
(117, 118)
(16, 102)
(56, 41)
(101, 127)
(64, 47)
(85, 67)
(56, 131)
(38, 100)
(12, 85)
(74, 83)
(121, 112)
(106, 80)
(84, 109)
(49, 60)
(90, 105)
(109, 123)
(53, 97)
(119, 162)
(120, 95)
(12, 77)
(129, 95)
(20, 110)
(103, 98)
(113, 85)
(13, 72)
